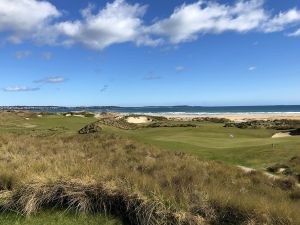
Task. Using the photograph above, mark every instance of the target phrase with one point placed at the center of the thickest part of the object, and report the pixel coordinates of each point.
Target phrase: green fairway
(71, 124)
(248, 147)
(55, 217)
(50, 124)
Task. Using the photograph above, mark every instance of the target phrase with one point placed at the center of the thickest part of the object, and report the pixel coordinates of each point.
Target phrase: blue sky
(135, 53)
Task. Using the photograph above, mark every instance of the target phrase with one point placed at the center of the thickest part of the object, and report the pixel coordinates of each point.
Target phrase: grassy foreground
(57, 217)
(46, 164)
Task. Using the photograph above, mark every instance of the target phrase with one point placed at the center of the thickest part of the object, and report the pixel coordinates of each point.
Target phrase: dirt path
(28, 125)
(267, 174)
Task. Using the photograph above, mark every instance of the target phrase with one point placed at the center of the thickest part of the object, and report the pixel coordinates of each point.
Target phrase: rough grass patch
(98, 198)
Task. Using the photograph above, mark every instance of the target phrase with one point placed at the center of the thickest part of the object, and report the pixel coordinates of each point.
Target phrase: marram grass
(108, 174)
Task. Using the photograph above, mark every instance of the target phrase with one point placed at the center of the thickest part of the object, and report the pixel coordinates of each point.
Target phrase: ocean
(189, 110)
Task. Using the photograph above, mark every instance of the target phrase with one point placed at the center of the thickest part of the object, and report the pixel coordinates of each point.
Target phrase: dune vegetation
(55, 217)
(138, 176)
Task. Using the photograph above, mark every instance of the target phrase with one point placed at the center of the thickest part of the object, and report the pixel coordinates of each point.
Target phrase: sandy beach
(239, 117)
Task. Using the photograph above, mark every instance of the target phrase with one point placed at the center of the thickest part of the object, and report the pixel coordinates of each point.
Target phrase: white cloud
(188, 21)
(51, 80)
(20, 89)
(179, 68)
(22, 54)
(118, 22)
(294, 34)
(283, 19)
(252, 68)
(23, 88)
(23, 18)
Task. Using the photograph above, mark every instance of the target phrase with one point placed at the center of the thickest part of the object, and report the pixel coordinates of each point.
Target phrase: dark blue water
(178, 109)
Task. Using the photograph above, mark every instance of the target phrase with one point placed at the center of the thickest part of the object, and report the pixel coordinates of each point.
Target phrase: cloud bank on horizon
(119, 22)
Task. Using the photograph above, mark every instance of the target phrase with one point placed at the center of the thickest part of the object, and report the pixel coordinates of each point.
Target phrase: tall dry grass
(110, 174)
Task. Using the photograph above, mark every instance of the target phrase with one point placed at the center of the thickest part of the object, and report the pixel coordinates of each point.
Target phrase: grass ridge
(95, 198)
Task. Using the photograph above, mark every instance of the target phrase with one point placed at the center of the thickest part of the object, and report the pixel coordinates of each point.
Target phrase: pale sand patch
(140, 119)
(82, 116)
(28, 125)
(281, 170)
(281, 135)
(267, 174)
(246, 169)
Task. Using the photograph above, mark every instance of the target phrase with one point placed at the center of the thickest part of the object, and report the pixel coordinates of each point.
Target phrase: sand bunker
(140, 119)
(81, 116)
(281, 134)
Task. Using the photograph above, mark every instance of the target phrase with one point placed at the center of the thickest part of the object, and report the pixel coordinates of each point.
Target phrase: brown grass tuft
(97, 198)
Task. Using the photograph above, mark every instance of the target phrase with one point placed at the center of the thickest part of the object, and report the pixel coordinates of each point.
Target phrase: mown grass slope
(247, 147)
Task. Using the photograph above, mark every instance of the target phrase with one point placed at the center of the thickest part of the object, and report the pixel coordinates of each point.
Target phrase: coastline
(234, 116)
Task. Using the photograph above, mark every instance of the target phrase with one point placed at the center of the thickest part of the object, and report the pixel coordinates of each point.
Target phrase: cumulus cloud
(20, 89)
(202, 17)
(22, 54)
(51, 80)
(24, 18)
(280, 21)
(190, 20)
(120, 21)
